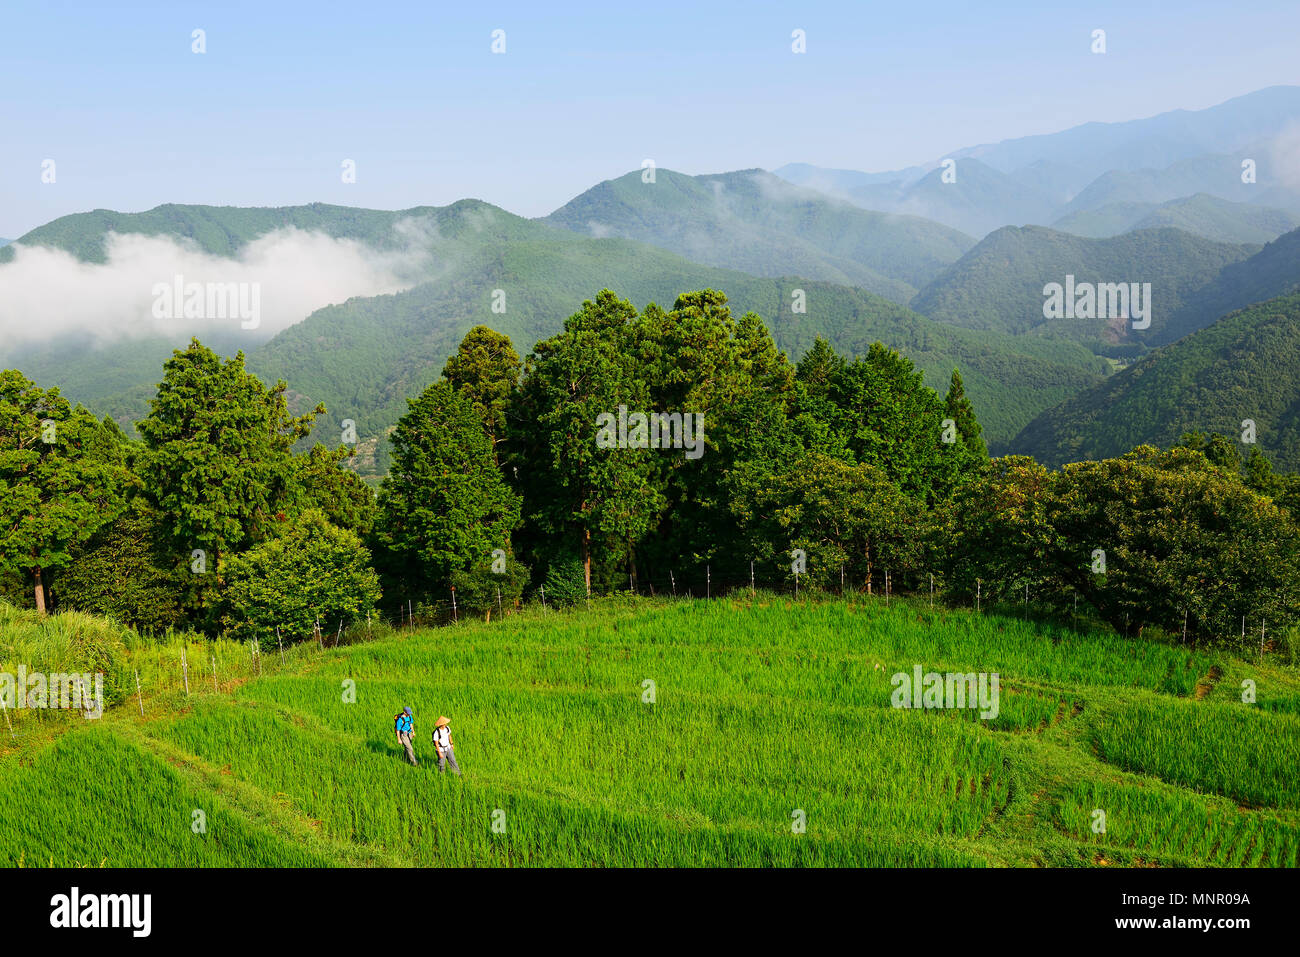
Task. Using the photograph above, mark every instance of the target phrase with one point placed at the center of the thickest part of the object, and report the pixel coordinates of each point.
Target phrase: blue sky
(411, 92)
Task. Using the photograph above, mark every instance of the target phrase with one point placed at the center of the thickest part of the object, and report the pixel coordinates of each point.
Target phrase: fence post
(752, 591)
(455, 616)
(708, 582)
(671, 578)
(543, 597)
(279, 642)
(499, 609)
(977, 595)
(410, 617)
(931, 589)
(339, 633)
(138, 693)
(185, 671)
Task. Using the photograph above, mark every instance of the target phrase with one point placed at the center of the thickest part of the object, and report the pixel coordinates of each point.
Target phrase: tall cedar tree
(62, 475)
(968, 452)
(702, 361)
(599, 500)
(444, 506)
(889, 418)
(486, 370)
(217, 465)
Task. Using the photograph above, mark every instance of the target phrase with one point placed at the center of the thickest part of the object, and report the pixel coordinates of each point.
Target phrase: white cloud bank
(47, 294)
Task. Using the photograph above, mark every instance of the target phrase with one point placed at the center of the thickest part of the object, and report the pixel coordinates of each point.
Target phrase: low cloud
(47, 294)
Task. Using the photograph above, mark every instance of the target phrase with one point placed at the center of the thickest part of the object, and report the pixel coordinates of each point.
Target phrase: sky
(413, 95)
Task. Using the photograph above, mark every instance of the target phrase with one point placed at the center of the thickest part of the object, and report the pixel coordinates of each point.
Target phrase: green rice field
(747, 731)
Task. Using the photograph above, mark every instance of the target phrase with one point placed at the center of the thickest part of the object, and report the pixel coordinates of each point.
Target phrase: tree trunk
(40, 592)
(586, 557)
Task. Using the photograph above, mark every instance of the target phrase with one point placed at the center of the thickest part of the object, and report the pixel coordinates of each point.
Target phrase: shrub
(479, 590)
(309, 570)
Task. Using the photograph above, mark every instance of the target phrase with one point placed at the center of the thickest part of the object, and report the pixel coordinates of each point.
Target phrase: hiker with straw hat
(442, 741)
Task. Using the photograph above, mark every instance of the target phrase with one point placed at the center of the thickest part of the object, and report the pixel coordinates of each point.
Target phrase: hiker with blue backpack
(404, 727)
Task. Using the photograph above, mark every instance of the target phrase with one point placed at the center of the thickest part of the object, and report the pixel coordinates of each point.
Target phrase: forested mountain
(1241, 367)
(1271, 272)
(1204, 215)
(756, 222)
(999, 284)
(364, 357)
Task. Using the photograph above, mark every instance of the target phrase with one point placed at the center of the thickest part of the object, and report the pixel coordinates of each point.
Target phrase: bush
(122, 571)
(565, 583)
(477, 589)
(309, 570)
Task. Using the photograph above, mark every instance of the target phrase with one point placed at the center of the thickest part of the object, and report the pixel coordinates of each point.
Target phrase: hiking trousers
(405, 737)
(446, 757)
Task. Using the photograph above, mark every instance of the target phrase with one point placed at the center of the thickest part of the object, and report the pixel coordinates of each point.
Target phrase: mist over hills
(756, 222)
(1041, 179)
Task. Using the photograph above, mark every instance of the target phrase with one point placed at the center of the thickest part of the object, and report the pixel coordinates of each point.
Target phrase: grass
(767, 714)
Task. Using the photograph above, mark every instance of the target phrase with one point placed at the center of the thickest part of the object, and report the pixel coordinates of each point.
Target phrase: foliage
(61, 477)
(307, 572)
(445, 506)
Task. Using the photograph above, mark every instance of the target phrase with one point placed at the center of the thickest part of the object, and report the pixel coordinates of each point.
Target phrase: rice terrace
(746, 730)
(474, 471)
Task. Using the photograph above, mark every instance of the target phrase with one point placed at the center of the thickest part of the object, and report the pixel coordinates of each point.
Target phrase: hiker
(442, 741)
(404, 726)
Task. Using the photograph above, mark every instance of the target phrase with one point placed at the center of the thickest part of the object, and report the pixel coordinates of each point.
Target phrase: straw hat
(442, 721)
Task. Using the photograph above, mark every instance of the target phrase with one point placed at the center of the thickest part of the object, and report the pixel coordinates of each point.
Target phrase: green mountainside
(998, 285)
(1241, 367)
(758, 223)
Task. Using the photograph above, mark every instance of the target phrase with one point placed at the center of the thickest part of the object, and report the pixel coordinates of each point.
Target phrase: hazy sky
(584, 92)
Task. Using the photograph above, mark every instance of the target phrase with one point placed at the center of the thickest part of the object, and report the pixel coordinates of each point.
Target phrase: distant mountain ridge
(1041, 179)
(1204, 215)
(756, 222)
